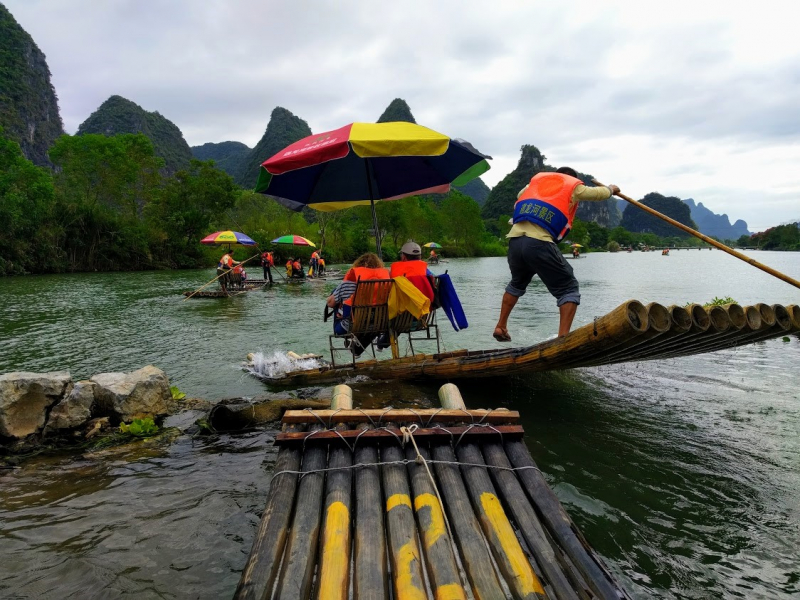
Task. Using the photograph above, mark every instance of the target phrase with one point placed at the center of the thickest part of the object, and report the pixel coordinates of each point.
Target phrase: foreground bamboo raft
(442, 504)
(631, 332)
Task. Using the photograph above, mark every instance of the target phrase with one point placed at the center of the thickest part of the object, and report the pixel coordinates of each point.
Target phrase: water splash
(277, 364)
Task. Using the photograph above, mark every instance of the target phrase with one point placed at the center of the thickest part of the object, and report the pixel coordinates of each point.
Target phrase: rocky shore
(49, 409)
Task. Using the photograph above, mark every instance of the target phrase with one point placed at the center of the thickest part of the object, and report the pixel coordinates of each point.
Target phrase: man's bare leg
(566, 314)
(509, 302)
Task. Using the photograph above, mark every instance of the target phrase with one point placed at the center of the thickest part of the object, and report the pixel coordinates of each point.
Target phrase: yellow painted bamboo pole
(708, 240)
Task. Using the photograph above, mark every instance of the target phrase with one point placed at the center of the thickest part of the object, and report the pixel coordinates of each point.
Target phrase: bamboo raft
(413, 505)
(629, 333)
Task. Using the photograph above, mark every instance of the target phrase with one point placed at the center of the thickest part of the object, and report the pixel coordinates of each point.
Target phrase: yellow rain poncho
(404, 296)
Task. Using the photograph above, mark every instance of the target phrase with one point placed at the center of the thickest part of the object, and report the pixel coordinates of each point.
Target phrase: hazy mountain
(282, 130)
(227, 156)
(28, 103)
(503, 196)
(119, 115)
(716, 225)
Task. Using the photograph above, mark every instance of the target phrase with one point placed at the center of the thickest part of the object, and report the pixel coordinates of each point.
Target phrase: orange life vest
(546, 203)
(416, 271)
(226, 261)
(267, 260)
(297, 266)
(364, 274)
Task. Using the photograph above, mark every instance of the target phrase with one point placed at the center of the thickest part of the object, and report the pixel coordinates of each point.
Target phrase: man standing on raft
(543, 216)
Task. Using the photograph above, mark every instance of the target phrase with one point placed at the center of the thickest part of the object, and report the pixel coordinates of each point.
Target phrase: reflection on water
(684, 473)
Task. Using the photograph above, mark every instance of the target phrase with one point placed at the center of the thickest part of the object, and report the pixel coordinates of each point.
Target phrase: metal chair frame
(369, 315)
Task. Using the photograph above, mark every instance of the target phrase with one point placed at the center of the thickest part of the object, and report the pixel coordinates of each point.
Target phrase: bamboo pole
(701, 323)
(558, 523)
(299, 563)
(475, 556)
(794, 315)
(370, 577)
(659, 322)
(436, 543)
(261, 569)
(744, 321)
(401, 531)
(517, 570)
(528, 522)
(708, 240)
(334, 569)
(215, 278)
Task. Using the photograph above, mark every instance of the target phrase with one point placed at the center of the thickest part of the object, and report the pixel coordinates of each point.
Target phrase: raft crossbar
(481, 431)
(401, 415)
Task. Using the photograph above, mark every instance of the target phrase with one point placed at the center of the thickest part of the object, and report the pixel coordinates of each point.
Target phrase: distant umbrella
(294, 240)
(227, 238)
(432, 245)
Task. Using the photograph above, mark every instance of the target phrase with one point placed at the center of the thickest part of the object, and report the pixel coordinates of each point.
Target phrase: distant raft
(629, 333)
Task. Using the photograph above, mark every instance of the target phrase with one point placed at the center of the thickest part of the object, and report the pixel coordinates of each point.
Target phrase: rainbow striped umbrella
(363, 163)
(433, 245)
(294, 240)
(232, 238)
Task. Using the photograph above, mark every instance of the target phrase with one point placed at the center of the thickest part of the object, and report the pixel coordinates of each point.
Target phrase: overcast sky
(694, 99)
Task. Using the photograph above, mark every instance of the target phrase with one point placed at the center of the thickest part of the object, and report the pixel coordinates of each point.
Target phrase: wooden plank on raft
(400, 415)
(473, 432)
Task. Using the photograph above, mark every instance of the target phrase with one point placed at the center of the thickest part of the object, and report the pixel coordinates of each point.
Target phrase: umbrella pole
(374, 214)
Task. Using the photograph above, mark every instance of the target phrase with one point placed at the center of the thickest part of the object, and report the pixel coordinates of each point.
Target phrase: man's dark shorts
(528, 256)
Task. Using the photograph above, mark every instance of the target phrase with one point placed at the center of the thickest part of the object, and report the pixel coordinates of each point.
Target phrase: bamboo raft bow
(415, 504)
(629, 333)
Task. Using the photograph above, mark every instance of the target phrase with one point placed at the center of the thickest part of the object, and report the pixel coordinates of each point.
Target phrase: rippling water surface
(684, 474)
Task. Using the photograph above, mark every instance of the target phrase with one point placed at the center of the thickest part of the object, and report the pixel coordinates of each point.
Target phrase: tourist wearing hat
(412, 267)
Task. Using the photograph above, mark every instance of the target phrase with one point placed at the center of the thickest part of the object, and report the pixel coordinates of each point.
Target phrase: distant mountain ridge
(28, 103)
(227, 156)
(119, 115)
(708, 222)
(283, 129)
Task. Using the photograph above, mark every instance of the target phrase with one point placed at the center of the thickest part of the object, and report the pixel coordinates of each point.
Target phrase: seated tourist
(366, 267)
(297, 269)
(414, 268)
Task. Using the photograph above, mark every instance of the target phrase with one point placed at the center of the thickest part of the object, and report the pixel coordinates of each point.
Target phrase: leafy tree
(598, 235)
(184, 210)
(26, 201)
(463, 224)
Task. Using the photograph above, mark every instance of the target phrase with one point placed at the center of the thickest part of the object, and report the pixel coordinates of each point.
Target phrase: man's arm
(594, 194)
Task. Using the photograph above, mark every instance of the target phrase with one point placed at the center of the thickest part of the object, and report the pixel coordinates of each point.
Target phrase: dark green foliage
(227, 156)
(181, 215)
(398, 110)
(28, 103)
(782, 237)
(26, 200)
(118, 115)
(283, 129)
(636, 220)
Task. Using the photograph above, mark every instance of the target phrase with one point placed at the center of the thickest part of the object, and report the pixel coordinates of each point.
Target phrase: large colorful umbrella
(432, 245)
(294, 240)
(231, 238)
(362, 163)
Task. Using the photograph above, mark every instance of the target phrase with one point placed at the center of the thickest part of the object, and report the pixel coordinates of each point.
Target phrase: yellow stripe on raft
(404, 580)
(396, 139)
(434, 529)
(451, 591)
(528, 582)
(335, 552)
(397, 500)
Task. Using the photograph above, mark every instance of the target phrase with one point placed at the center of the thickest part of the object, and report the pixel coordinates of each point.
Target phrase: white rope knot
(408, 436)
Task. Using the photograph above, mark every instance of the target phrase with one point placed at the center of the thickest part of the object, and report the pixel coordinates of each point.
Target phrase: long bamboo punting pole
(436, 543)
(708, 240)
(505, 546)
(334, 569)
(370, 576)
(261, 569)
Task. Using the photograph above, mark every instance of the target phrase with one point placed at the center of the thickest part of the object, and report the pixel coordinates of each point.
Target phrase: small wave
(277, 364)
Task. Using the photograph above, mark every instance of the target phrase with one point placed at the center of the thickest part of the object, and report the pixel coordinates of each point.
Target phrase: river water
(684, 474)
